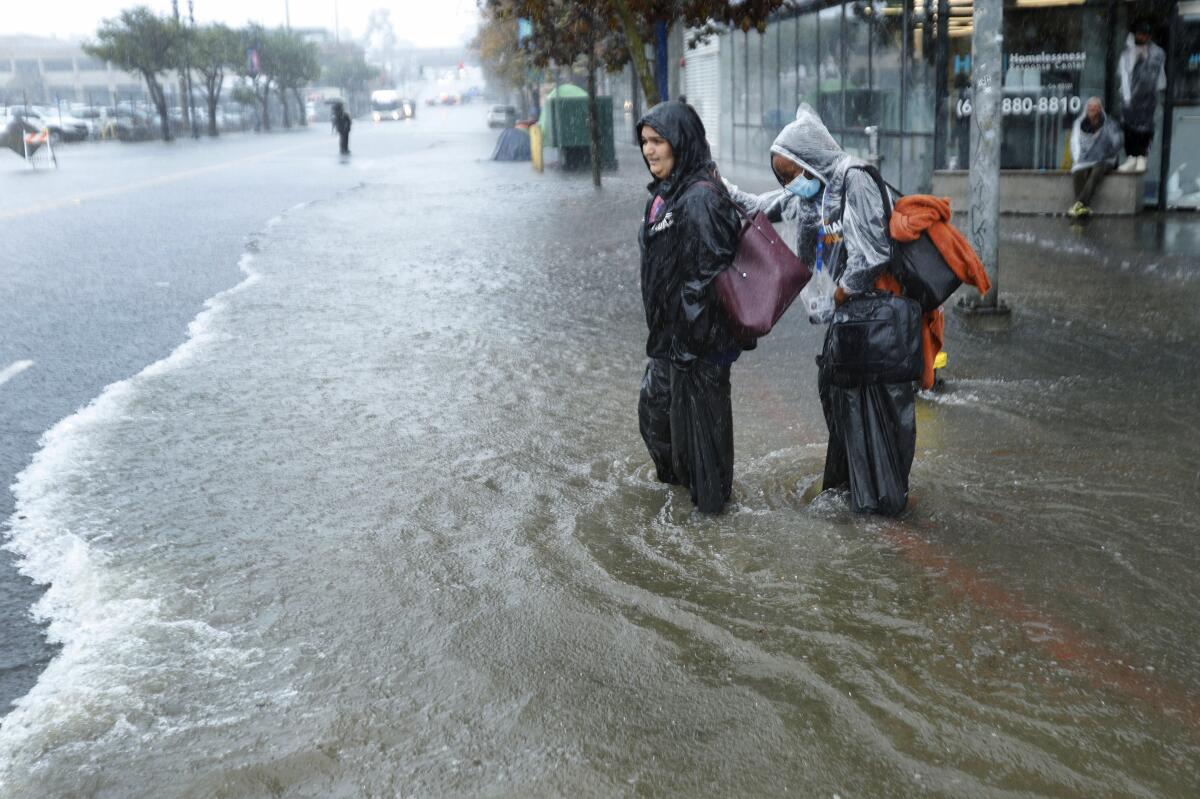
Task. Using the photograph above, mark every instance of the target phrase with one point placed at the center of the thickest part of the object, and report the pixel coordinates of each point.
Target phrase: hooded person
(689, 235)
(342, 124)
(842, 227)
(1096, 142)
(1142, 72)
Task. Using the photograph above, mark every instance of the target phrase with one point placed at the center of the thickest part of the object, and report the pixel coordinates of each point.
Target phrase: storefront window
(1183, 181)
(830, 69)
(1055, 57)
(808, 61)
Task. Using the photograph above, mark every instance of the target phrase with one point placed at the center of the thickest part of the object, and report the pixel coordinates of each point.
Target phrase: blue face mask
(805, 187)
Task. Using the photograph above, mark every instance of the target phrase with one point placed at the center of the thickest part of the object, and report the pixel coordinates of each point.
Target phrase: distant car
(62, 128)
(502, 116)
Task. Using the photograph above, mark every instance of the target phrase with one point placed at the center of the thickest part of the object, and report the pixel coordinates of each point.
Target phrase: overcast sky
(430, 23)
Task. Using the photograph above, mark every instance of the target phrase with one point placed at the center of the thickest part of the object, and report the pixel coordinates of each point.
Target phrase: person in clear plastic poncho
(842, 230)
(1096, 141)
(816, 174)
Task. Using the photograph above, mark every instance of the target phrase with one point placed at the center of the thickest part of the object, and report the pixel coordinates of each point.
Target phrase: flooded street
(384, 526)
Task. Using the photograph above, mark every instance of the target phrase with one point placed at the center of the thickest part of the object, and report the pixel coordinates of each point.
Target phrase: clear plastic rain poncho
(854, 246)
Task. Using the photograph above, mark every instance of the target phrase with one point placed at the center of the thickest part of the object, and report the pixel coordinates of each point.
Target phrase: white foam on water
(92, 610)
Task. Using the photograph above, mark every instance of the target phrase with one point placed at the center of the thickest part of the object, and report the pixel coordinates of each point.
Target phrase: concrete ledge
(1034, 191)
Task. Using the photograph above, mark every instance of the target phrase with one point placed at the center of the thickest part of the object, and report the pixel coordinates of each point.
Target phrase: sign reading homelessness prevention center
(1051, 98)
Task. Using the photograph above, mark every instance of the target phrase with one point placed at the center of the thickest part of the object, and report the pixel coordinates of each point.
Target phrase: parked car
(502, 116)
(62, 126)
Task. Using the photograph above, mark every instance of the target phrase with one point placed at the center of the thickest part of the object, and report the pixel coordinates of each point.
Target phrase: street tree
(142, 42)
(502, 56)
(216, 49)
(255, 69)
(612, 33)
(294, 64)
(639, 18)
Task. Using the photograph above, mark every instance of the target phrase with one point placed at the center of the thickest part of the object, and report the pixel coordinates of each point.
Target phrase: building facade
(904, 66)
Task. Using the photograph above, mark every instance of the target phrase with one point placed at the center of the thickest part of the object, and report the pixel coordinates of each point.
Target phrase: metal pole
(1174, 33)
(986, 120)
(942, 89)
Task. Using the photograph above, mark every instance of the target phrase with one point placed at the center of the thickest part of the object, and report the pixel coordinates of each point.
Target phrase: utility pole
(183, 78)
(986, 127)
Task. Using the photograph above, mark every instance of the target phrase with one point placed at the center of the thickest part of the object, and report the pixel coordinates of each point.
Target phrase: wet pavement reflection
(386, 526)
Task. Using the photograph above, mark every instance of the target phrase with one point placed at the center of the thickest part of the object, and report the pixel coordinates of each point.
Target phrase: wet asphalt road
(394, 533)
(106, 260)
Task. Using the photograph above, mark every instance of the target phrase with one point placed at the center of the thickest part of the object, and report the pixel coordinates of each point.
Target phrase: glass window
(858, 25)
(887, 43)
(90, 64)
(830, 67)
(808, 61)
(1055, 57)
(788, 84)
(58, 65)
(726, 79)
(754, 77)
(773, 115)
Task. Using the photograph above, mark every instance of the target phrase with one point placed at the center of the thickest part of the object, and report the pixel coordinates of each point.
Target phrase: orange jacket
(912, 216)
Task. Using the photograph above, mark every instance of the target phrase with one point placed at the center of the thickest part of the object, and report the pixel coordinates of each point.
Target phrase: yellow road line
(161, 180)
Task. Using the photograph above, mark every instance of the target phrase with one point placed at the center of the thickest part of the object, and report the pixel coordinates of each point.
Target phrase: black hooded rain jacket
(688, 236)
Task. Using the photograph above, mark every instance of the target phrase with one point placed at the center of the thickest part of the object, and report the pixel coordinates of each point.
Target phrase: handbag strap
(713, 188)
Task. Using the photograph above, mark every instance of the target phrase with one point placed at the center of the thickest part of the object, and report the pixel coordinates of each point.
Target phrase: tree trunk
(637, 53)
(264, 100)
(212, 112)
(160, 103)
(184, 98)
(593, 123)
(283, 101)
(300, 106)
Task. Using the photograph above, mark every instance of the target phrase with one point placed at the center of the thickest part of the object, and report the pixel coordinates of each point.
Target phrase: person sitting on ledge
(1096, 142)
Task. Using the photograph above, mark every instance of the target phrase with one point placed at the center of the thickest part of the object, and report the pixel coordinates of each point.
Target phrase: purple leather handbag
(764, 279)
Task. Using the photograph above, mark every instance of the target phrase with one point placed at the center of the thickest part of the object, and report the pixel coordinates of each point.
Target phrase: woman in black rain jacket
(689, 234)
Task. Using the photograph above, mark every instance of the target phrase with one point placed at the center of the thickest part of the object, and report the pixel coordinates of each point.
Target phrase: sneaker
(1141, 164)
(1073, 211)
(1129, 165)
(1084, 210)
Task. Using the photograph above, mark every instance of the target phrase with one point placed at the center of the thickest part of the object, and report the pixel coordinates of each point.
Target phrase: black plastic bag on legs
(872, 440)
(654, 416)
(702, 433)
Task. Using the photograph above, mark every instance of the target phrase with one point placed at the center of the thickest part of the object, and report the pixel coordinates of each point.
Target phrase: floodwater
(384, 526)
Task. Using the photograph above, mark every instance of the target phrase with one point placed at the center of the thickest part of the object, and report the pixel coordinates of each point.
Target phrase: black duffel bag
(923, 273)
(874, 338)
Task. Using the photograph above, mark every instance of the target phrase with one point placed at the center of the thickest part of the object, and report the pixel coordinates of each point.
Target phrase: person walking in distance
(341, 123)
(1142, 73)
(1095, 148)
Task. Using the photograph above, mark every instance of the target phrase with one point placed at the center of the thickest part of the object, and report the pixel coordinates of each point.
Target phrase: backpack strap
(883, 187)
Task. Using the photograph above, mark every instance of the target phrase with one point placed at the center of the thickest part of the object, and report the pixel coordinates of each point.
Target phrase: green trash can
(569, 131)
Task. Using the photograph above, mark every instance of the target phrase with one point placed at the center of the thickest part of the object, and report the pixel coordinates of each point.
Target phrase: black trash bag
(702, 433)
(654, 416)
(872, 440)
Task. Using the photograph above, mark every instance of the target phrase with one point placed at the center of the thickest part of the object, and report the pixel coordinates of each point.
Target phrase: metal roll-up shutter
(702, 86)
